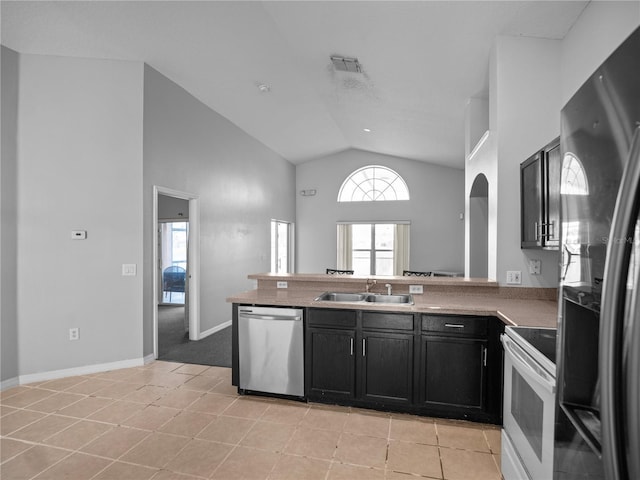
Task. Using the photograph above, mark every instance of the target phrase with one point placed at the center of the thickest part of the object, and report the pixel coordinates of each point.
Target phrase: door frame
(193, 261)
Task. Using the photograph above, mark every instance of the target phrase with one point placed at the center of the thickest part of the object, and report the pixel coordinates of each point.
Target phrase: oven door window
(527, 410)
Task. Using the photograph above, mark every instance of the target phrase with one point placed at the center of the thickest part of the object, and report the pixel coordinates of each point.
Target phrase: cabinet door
(553, 167)
(531, 202)
(452, 372)
(386, 367)
(330, 368)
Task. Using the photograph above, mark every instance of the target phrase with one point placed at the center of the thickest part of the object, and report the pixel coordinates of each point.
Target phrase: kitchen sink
(401, 299)
(341, 297)
(376, 298)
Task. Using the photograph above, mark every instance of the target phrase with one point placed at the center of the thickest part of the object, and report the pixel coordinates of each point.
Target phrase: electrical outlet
(534, 267)
(74, 334)
(514, 277)
(416, 289)
(282, 285)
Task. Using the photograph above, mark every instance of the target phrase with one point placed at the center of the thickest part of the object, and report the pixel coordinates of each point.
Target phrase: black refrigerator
(597, 431)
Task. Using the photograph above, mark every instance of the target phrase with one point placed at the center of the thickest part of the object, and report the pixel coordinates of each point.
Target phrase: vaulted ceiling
(421, 61)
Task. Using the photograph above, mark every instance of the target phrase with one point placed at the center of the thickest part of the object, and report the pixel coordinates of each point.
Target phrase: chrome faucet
(370, 283)
(388, 285)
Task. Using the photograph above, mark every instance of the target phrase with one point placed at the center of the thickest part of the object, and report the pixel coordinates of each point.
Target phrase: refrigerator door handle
(612, 315)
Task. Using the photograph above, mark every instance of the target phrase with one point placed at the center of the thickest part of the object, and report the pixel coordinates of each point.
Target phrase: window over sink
(373, 248)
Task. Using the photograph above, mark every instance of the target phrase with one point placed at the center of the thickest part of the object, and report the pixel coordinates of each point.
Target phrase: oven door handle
(520, 358)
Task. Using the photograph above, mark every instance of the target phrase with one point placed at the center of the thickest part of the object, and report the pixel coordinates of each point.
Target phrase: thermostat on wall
(79, 234)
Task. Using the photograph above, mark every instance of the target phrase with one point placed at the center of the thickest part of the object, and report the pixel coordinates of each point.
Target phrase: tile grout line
(193, 436)
(235, 446)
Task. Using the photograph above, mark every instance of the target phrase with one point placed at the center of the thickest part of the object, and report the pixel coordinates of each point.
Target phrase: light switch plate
(282, 285)
(128, 269)
(416, 289)
(79, 234)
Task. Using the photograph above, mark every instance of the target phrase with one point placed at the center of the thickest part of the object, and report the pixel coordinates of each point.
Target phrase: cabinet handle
(454, 325)
(351, 346)
(538, 229)
(551, 233)
(364, 347)
(484, 354)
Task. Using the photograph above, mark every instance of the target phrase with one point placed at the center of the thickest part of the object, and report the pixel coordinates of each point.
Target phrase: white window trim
(401, 245)
(398, 178)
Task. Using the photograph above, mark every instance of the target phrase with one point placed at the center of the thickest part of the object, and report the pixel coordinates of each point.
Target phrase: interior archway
(479, 228)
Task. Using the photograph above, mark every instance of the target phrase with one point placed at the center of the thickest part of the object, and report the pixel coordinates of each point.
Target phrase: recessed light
(366, 130)
(264, 88)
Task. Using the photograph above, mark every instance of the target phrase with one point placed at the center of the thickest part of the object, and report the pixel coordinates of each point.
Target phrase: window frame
(394, 250)
(373, 178)
(275, 249)
(373, 251)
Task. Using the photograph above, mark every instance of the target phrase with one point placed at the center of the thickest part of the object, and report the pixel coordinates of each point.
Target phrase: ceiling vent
(343, 64)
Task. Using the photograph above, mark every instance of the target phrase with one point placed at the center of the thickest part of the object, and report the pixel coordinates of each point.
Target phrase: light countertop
(512, 311)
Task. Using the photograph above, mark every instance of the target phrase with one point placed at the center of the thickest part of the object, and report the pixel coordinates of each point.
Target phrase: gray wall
(8, 201)
(437, 233)
(241, 184)
(80, 167)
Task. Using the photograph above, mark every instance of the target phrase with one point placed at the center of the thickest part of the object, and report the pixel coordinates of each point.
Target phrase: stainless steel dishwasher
(270, 348)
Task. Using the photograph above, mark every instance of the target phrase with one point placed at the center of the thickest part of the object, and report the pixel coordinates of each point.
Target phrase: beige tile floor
(172, 421)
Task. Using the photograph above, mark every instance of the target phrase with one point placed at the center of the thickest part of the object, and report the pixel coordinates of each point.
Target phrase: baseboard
(9, 383)
(215, 329)
(84, 370)
(149, 358)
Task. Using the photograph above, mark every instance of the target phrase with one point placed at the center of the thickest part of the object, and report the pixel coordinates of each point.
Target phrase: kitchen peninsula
(530, 307)
(439, 355)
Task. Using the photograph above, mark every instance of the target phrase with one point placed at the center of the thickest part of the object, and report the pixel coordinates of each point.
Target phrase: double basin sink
(402, 299)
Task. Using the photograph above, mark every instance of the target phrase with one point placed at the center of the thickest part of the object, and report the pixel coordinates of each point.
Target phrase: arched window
(373, 183)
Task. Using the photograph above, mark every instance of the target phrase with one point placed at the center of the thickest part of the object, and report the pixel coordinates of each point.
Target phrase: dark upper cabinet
(540, 198)
(531, 201)
(553, 169)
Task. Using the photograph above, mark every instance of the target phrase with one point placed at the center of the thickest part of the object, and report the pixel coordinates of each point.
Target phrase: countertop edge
(515, 312)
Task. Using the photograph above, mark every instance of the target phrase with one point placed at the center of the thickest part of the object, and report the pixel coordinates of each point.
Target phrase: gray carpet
(174, 344)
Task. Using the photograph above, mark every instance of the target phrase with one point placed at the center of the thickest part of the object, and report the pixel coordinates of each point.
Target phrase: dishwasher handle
(258, 316)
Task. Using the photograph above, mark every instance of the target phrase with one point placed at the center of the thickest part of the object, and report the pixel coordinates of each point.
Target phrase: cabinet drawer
(476, 326)
(387, 321)
(326, 317)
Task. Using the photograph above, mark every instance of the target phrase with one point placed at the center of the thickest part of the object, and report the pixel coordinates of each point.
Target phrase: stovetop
(540, 343)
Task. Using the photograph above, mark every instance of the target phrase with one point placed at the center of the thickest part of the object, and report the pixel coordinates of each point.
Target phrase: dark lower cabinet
(387, 367)
(349, 363)
(439, 365)
(452, 373)
(332, 363)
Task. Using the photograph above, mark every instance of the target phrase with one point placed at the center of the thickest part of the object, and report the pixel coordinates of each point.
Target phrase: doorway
(172, 262)
(479, 228)
(176, 254)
